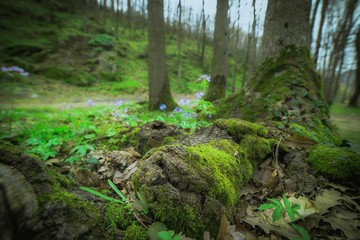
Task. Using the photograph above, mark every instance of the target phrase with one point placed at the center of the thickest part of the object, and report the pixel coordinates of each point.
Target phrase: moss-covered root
(237, 127)
(256, 148)
(335, 163)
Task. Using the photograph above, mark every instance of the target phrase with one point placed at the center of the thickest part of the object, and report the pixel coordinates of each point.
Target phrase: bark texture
(286, 22)
(159, 87)
(217, 88)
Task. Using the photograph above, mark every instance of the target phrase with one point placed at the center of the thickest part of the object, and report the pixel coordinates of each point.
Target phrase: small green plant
(168, 235)
(291, 211)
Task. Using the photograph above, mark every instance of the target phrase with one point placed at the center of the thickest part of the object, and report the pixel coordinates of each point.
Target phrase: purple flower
(65, 106)
(177, 109)
(182, 101)
(71, 106)
(15, 69)
(195, 115)
(199, 95)
(118, 103)
(70, 114)
(90, 103)
(209, 115)
(162, 107)
(117, 114)
(171, 115)
(187, 114)
(126, 110)
(206, 77)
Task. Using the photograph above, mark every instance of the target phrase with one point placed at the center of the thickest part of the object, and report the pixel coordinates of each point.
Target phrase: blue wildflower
(182, 101)
(177, 109)
(206, 77)
(126, 110)
(199, 95)
(162, 107)
(117, 114)
(210, 116)
(90, 103)
(171, 115)
(187, 114)
(195, 115)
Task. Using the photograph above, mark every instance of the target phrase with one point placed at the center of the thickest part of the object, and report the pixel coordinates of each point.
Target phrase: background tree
(180, 36)
(219, 67)
(159, 87)
(322, 20)
(354, 98)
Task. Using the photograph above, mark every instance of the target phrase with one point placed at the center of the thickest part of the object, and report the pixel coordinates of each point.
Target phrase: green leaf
(291, 214)
(166, 235)
(295, 207)
(117, 190)
(142, 198)
(305, 235)
(300, 216)
(277, 214)
(267, 206)
(278, 203)
(101, 195)
(177, 237)
(154, 229)
(93, 160)
(110, 133)
(72, 159)
(89, 136)
(286, 202)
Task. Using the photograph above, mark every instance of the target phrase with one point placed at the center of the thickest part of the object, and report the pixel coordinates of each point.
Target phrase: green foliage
(102, 40)
(291, 210)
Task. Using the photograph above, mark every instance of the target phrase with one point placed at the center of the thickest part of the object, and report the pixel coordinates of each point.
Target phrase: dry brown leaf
(224, 226)
(327, 199)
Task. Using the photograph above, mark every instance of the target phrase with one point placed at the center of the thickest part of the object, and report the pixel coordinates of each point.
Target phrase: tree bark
(313, 15)
(117, 20)
(348, 80)
(354, 98)
(159, 86)
(236, 45)
(129, 13)
(284, 26)
(203, 35)
(219, 68)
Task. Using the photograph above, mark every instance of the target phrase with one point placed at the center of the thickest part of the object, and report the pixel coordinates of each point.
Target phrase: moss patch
(135, 232)
(335, 163)
(238, 128)
(224, 165)
(256, 148)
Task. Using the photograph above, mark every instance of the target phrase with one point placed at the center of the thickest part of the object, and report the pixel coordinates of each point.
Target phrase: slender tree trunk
(203, 35)
(219, 68)
(189, 25)
(198, 34)
(253, 44)
(247, 56)
(179, 44)
(348, 80)
(236, 46)
(159, 86)
(322, 20)
(117, 20)
(313, 15)
(129, 13)
(104, 12)
(112, 11)
(84, 14)
(337, 80)
(143, 15)
(354, 98)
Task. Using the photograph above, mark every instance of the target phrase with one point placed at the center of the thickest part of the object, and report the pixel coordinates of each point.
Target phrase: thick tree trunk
(219, 68)
(354, 98)
(159, 86)
(284, 26)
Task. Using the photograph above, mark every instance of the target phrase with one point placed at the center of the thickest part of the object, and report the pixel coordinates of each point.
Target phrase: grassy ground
(347, 119)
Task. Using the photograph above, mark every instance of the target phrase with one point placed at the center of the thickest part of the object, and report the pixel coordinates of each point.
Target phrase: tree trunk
(159, 86)
(284, 26)
(236, 46)
(253, 44)
(348, 80)
(313, 15)
(104, 12)
(247, 56)
(84, 14)
(179, 44)
(117, 20)
(129, 13)
(219, 68)
(322, 20)
(354, 98)
(203, 35)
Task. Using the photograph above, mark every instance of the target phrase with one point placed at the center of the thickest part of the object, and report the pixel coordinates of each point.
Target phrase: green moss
(129, 136)
(168, 141)
(335, 163)
(238, 127)
(135, 232)
(119, 213)
(179, 218)
(255, 147)
(224, 165)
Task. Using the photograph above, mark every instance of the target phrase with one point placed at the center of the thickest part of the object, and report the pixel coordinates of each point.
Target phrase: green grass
(342, 109)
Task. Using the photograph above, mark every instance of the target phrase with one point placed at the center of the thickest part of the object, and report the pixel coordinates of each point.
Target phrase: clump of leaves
(291, 210)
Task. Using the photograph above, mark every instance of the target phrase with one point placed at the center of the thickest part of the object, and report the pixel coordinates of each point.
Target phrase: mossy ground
(335, 163)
